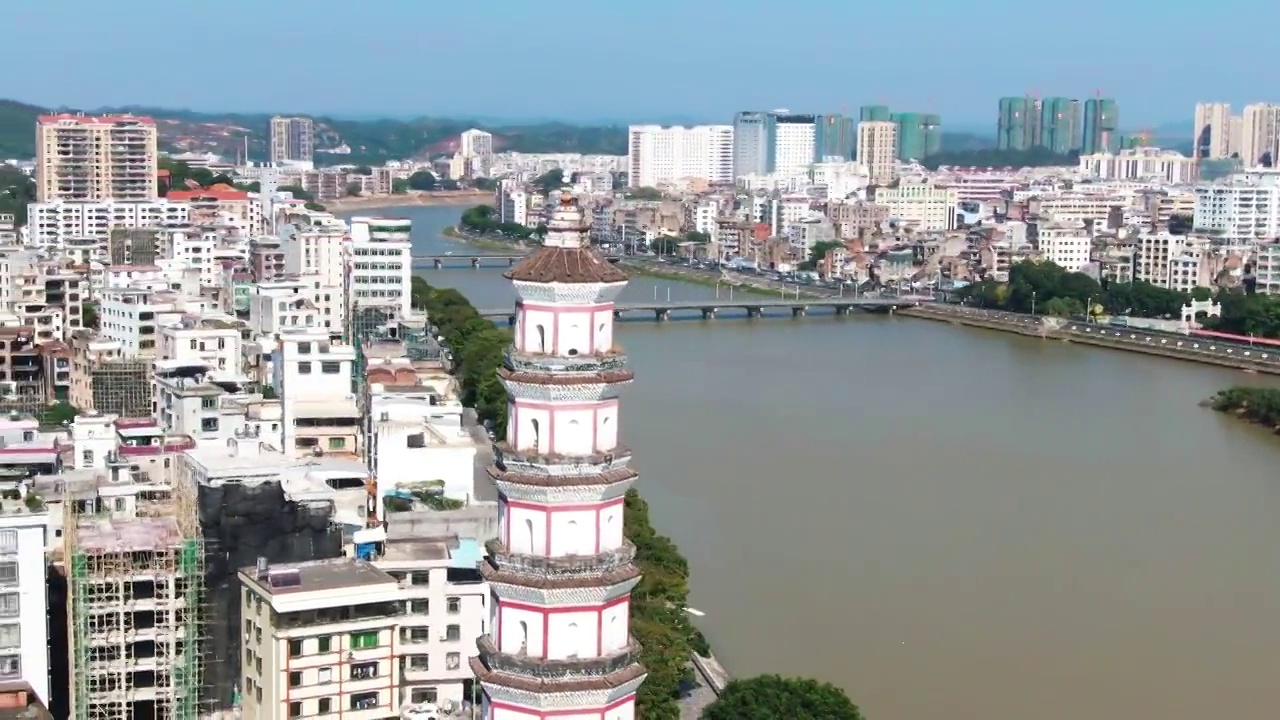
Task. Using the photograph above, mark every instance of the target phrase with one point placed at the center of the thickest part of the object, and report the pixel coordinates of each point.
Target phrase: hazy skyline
(700, 59)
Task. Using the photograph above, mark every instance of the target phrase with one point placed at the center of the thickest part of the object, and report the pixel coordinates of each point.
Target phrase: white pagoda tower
(561, 571)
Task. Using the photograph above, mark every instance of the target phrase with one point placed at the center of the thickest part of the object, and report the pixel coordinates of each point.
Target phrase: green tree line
(1257, 405)
(483, 220)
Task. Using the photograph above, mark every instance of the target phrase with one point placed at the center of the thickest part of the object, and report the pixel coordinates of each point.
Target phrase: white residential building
(920, 204)
(512, 202)
(24, 600)
(292, 140)
(418, 439)
(213, 341)
(1242, 208)
(1144, 163)
(311, 375)
(322, 636)
(476, 148)
(1066, 244)
(878, 149)
(658, 155)
(1211, 139)
(133, 316)
(1260, 135)
(793, 147)
(313, 245)
(1170, 261)
(51, 224)
(381, 263)
(1267, 267)
(278, 305)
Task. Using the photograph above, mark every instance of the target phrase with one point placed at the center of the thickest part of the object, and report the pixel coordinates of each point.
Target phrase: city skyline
(440, 80)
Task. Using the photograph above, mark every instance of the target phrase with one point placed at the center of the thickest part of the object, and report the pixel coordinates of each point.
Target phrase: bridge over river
(467, 259)
(710, 309)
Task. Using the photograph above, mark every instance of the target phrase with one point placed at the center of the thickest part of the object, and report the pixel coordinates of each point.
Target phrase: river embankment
(409, 199)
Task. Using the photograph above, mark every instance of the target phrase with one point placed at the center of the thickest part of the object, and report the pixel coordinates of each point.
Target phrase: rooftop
(566, 265)
(105, 535)
(314, 576)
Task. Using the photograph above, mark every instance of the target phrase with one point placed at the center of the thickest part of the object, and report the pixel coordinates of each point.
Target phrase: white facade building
(878, 149)
(278, 305)
(1211, 138)
(1242, 208)
(793, 147)
(1066, 245)
(214, 342)
(561, 570)
(1144, 163)
(925, 206)
(312, 377)
(1260, 134)
(381, 261)
(416, 440)
(658, 155)
(315, 247)
(24, 603)
(51, 224)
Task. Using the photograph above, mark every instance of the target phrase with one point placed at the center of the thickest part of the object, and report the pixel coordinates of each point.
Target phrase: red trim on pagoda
(549, 511)
(552, 409)
(589, 311)
(547, 612)
(497, 705)
(561, 307)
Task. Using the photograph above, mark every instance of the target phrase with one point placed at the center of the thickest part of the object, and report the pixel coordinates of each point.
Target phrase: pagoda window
(528, 531)
(537, 435)
(542, 338)
(524, 638)
(572, 632)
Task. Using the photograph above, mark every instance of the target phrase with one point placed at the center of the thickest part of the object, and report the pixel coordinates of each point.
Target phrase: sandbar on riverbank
(409, 199)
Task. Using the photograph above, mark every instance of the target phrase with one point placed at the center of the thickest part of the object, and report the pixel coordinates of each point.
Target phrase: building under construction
(103, 379)
(135, 609)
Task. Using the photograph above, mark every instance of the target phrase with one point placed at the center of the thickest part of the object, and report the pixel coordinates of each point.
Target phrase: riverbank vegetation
(659, 621)
(483, 220)
(1256, 405)
(770, 696)
(1048, 289)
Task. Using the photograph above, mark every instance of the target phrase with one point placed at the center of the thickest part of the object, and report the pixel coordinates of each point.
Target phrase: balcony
(563, 566)
(530, 362)
(534, 463)
(566, 669)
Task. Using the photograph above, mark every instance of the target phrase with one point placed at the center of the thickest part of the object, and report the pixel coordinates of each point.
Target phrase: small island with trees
(1260, 406)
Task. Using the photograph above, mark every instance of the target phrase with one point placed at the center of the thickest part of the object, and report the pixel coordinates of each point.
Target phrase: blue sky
(631, 61)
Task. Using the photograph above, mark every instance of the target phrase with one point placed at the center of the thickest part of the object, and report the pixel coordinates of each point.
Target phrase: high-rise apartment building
(292, 139)
(1212, 138)
(112, 157)
(874, 113)
(878, 149)
(793, 149)
(834, 136)
(1060, 125)
(1019, 124)
(754, 138)
(1101, 124)
(658, 155)
(1260, 135)
(476, 148)
(919, 135)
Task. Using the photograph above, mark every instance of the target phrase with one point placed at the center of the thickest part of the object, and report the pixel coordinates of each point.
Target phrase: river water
(949, 522)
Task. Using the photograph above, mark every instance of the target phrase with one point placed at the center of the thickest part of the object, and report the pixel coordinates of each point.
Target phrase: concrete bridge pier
(438, 263)
(511, 261)
(661, 315)
(475, 263)
(754, 312)
(798, 312)
(708, 313)
(844, 309)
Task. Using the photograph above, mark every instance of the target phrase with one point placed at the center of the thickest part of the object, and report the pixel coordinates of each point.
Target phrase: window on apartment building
(209, 424)
(364, 701)
(295, 678)
(455, 605)
(304, 368)
(453, 632)
(8, 541)
(11, 635)
(330, 368)
(323, 643)
(295, 709)
(423, 695)
(10, 666)
(248, 657)
(324, 675)
(325, 706)
(304, 348)
(87, 457)
(28, 436)
(415, 635)
(295, 648)
(422, 577)
(364, 671)
(364, 640)
(452, 661)
(194, 345)
(420, 662)
(208, 403)
(419, 607)
(10, 604)
(337, 443)
(8, 573)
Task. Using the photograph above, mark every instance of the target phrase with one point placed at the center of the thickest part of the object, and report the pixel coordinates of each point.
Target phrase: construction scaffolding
(135, 607)
(122, 387)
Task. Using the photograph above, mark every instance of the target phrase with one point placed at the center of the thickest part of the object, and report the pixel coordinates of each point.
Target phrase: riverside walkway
(751, 308)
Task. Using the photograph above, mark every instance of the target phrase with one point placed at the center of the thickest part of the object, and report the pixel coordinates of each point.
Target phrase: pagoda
(561, 570)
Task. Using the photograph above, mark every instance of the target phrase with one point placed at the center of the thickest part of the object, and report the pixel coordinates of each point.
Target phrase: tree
(484, 183)
(58, 413)
(399, 186)
(353, 189)
(362, 170)
(665, 245)
(552, 179)
(819, 251)
(769, 697)
(297, 191)
(448, 184)
(1181, 223)
(643, 193)
(89, 315)
(17, 189)
(313, 205)
(422, 180)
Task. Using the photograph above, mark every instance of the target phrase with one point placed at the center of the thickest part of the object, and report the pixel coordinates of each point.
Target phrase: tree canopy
(1052, 290)
(422, 180)
(770, 697)
(552, 179)
(643, 193)
(17, 189)
(482, 219)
